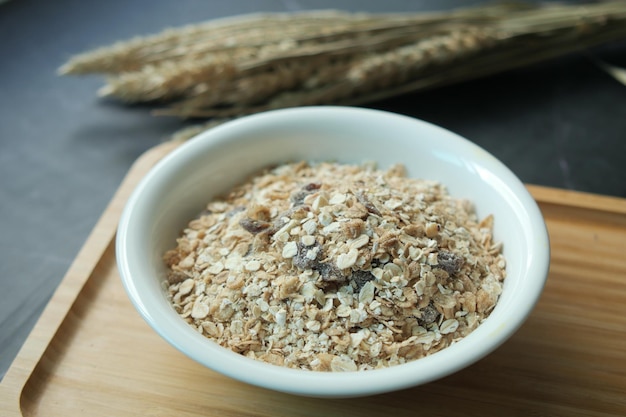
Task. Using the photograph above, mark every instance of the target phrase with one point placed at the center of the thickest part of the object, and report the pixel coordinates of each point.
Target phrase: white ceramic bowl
(179, 187)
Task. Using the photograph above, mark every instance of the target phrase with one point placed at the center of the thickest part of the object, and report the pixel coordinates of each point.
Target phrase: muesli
(333, 267)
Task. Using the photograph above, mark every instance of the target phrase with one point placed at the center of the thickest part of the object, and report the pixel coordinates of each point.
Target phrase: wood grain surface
(92, 355)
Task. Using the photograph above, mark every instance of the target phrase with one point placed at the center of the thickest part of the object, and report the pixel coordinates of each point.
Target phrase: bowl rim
(311, 383)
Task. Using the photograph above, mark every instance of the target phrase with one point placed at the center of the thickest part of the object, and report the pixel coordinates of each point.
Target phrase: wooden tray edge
(103, 233)
(72, 283)
(557, 196)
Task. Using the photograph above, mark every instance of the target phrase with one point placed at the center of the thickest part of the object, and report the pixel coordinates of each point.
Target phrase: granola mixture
(332, 267)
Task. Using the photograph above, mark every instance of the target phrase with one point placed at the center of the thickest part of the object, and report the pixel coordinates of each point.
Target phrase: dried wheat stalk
(231, 67)
(256, 30)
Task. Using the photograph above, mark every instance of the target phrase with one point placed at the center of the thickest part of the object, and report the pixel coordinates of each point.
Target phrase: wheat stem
(238, 66)
(256, 30)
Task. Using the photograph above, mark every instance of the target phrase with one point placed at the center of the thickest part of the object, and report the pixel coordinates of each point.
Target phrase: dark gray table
(63, 152)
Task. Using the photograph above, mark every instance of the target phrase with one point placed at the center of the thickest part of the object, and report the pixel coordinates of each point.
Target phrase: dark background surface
(63, 152)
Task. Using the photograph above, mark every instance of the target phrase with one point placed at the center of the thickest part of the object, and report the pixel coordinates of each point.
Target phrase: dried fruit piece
(450, 262)
(429, 315)
(306, 256)
(297, 198)
(359, 278)
(329, 272)
(369, 206)
(254, 226)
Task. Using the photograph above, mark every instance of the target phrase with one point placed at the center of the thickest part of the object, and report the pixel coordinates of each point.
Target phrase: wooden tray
(91, 354)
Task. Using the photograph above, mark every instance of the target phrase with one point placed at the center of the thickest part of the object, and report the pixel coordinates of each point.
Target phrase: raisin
(369, 206)
(329, 272)
(359, 278)
(297, 198)
(254, 226)
(429, 315)
(450, 262)
(302, 261)
(312, 186)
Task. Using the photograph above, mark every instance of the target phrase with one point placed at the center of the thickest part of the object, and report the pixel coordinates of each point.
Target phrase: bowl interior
(179, 187)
